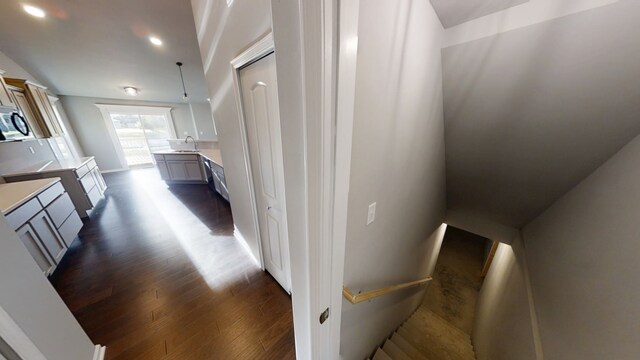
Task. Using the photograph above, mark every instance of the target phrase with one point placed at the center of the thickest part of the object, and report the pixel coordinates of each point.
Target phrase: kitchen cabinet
(44, 218)
(41, 107)
(180, 168)
(81, 179)
(48, 235)
(31, 241)
(24, 109)
(6, 101)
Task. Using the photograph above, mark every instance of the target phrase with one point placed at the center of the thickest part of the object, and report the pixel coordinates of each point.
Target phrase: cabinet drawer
(88, 183)
(91, 164)
(182, 157)
(21, 215)
(94, 196)
(81, 171)
(70, 229)
(60, 209)
(47, 196)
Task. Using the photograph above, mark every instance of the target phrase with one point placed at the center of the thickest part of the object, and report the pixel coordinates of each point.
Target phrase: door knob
(268, 207)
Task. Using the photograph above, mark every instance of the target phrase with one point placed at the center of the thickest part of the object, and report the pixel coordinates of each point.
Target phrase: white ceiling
(95, 48)
(531, 112)
(456, 12)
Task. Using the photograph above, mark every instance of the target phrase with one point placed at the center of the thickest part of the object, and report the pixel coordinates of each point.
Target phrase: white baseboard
(238, 235)
(113, 170)
(99, 352)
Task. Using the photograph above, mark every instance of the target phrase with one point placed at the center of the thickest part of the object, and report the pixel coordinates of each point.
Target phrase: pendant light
(185, 97)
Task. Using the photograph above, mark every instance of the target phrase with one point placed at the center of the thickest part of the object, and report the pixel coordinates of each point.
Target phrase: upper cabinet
(6, 101)
(44, 117)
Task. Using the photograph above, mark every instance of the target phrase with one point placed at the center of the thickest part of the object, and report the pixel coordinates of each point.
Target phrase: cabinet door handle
(269, 208)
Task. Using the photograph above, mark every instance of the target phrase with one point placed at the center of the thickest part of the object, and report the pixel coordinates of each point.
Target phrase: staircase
(426, 336)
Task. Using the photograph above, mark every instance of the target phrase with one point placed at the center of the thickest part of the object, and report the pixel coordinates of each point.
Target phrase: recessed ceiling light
(130, 90)
(155, 41)
(34, 11)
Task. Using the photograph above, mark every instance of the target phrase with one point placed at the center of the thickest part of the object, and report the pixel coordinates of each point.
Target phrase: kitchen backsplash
(16, 155)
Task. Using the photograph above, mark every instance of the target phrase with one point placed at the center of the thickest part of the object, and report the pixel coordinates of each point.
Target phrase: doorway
(138, 131)
(259, 101)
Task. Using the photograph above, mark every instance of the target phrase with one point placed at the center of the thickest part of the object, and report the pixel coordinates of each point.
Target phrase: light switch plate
(371, 214)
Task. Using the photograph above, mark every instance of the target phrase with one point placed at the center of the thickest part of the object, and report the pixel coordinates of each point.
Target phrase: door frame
(17, 340)
(107, 109)
(260, 48)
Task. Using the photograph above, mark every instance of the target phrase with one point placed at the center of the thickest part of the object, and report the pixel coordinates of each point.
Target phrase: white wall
(91, 130)
(224, 32)
(503, 324)
(583, 260)
(204, 121)
(33, 304)
(398, 162)
(531, 112)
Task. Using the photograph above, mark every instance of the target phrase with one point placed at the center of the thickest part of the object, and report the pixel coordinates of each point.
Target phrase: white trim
(345, 102)
(113, 171)
(238, 235)
(260, 48)
(99, 352)
(19, 342)
(107, 109)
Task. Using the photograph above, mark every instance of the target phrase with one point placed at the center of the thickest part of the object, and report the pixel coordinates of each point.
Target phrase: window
(138, 132)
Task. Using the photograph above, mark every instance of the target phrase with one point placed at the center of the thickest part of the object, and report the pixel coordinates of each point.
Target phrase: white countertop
(51, 166)
(15, 194)
(210, 154)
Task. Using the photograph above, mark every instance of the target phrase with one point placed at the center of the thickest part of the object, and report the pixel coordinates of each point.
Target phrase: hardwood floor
(157, 274)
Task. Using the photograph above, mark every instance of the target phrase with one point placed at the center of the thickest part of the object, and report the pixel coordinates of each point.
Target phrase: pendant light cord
(184, 89)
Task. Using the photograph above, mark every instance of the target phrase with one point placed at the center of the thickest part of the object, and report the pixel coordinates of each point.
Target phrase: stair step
(394, 351)
(438, 331)
(430, 317)
(434, 345)
(406, 347)
(381, 355)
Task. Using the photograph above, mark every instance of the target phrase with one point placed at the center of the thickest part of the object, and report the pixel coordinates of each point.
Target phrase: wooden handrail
(368, 295)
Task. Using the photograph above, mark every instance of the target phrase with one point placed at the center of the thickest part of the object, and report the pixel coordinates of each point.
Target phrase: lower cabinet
(175, 170)
(34, 246)
(48, 235)
(47, 224)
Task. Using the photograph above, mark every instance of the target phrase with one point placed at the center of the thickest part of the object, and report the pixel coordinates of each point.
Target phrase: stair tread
(394, 351)
(429, 327)
(432, 317)
(406, 347)
(381, 355)
(436, 346)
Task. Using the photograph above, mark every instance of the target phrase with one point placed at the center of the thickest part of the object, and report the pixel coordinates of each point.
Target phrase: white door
(258, 86)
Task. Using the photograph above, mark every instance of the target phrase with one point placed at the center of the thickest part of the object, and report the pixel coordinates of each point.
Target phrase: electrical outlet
(371, 214)
(31, 149)
(201, 132)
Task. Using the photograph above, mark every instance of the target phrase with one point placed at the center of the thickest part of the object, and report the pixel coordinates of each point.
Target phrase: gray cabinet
(48, 235)
(180, 168)
(46, 223)
(31, 241)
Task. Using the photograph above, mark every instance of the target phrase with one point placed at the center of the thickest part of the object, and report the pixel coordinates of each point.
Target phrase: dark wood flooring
(157, 274)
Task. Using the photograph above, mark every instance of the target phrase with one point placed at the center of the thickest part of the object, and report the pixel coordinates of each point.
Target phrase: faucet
(195, 143)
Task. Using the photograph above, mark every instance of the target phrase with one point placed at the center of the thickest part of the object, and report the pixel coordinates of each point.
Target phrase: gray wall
(34, 305)
(503, 326)
(583, 260)
(204, 121)
(225, 32)
(398, 162)
(531, 112)
(91, 130)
